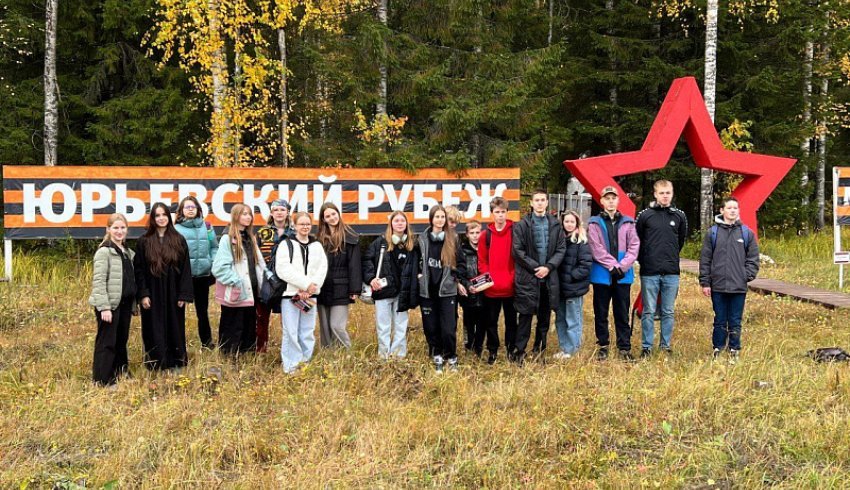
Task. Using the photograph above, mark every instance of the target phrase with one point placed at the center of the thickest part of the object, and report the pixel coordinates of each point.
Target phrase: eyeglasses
(304, 224)
(189, 206)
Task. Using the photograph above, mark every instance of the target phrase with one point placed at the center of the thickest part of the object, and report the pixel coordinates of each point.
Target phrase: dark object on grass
(829, 354)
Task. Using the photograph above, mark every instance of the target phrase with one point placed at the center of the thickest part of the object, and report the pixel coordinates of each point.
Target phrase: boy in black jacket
(662, 230)
(538, 249)
(473, 308)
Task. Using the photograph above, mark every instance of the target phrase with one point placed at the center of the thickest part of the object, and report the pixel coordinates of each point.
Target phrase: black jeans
(110, 344)
(201, 288)
(492, 306)
(440, 325)
(237, 331)
(544, 315)
(473, 323)
(619, 296)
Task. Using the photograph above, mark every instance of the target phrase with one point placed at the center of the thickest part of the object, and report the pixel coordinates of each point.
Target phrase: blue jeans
(728, 311)
(651, 287)
(568, 322)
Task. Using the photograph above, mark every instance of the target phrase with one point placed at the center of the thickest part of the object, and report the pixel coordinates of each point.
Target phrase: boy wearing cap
(614, 244)
(277, 228)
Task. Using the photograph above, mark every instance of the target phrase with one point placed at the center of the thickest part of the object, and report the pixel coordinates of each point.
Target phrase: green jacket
(200, 238)
(108, 278)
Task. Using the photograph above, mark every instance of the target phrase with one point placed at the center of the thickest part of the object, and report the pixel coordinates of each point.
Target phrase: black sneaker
(626, 355)
(645, 353)
(602, 355)
(715, 355)
(667, 351)
(491, 358)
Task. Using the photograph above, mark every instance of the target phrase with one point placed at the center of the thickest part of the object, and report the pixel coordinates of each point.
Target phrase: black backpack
(273, 286)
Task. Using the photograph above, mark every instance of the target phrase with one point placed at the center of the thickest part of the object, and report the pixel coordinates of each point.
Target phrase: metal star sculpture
(684, 112)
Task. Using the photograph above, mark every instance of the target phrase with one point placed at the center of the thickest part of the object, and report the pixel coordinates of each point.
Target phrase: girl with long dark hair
(442, 272)
(163, 287)
(343, 281)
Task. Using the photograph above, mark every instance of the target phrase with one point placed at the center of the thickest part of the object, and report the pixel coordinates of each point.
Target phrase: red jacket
(498, 260)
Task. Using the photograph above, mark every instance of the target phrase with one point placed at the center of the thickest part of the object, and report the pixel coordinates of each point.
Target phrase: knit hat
(280, 203)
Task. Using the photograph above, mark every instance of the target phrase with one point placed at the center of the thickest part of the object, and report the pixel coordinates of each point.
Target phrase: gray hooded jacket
(730, 263)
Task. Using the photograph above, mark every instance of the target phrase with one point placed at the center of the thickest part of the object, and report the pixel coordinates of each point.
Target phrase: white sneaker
(453, 364)
(733, 356)
(561, 356)
(438, 364)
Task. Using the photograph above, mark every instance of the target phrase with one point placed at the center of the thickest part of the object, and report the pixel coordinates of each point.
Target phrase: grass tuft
(350, 420)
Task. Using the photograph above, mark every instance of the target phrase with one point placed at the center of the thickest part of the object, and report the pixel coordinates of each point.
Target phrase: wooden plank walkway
(822, 297)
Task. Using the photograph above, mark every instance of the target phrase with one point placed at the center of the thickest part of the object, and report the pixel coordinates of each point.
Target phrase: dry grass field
(349, 420)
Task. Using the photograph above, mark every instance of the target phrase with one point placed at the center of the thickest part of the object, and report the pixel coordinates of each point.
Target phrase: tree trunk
(706, 191)
(822, 140)
(219, 73)
(613, 95)
(51, 86)
(477, 147)
(381, 107)
(551, 22)
(284, 104)
(805, 145)
(237, 92)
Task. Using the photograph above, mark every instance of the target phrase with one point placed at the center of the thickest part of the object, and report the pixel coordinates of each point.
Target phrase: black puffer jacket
(344, 274)
(731, 262)
(574, 271)
(526, 284)
(662, 232)
(472, 300)
(399, 268)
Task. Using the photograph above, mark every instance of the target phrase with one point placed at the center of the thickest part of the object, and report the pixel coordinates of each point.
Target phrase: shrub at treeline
(470, 83)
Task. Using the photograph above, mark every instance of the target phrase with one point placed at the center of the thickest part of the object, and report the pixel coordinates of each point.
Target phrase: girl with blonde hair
(238, 269)
(389, 268)
(304, 270)
(113, 298)
(574, 279)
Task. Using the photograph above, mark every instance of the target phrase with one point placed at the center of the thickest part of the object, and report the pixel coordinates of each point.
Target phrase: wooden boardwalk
(822, 297)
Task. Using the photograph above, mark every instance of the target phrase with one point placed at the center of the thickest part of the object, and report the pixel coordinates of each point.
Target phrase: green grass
(349, 420)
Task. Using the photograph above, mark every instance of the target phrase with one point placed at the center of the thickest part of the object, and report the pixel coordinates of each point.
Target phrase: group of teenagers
(536, 265)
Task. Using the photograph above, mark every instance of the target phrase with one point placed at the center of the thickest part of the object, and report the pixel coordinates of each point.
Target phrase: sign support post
(7, 259)
(836, 228)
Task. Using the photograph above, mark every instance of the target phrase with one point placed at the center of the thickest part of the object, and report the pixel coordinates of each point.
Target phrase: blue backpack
(745, 231)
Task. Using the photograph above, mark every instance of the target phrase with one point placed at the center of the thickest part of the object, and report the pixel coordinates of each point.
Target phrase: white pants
(392, 328)
(299, 337)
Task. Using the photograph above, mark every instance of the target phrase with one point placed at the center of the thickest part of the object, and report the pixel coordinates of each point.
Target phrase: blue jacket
(628, 245)
(200, 236)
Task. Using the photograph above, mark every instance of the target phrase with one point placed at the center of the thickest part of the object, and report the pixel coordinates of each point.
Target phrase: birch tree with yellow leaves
(249, 120)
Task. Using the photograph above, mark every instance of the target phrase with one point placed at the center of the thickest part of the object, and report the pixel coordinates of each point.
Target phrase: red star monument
(684, 112)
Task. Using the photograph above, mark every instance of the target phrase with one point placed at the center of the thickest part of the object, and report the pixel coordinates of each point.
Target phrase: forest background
(412, 84)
